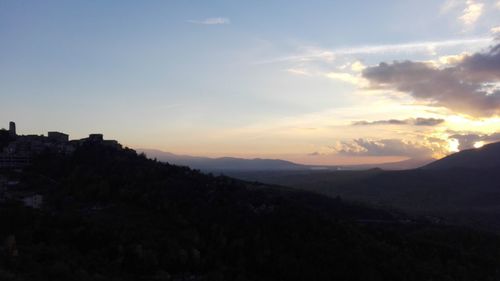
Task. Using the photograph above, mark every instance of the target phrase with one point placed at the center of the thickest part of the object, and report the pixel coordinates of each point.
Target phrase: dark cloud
(467, 87)
(482, 67)
(427, 121)
(467, 141)
(412, 121)
(381, 122)
(385, 147)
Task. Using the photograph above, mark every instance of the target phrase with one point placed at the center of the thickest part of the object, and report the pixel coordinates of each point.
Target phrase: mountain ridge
(221, 164)
(463, 187)
(487, 156)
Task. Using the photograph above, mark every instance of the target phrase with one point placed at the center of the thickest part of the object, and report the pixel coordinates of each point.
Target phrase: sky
(316, 82)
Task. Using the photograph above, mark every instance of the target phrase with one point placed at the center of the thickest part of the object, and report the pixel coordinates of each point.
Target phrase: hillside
(486, 157)
(110, 214)
(463, 188)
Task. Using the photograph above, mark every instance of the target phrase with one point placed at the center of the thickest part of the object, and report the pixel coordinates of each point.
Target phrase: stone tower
(12, 129)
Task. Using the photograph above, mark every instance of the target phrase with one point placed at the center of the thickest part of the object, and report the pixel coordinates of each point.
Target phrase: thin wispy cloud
(411, 47)
(298, 71)
(420, 121)
(313, 54)
(449, 5)
(211, 21)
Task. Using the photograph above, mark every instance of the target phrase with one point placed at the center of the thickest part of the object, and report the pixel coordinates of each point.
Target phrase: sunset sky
(330, 82)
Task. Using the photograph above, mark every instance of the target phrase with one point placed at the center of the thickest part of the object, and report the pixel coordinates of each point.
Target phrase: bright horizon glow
(479, 144)
(269, 79)
(453, 145)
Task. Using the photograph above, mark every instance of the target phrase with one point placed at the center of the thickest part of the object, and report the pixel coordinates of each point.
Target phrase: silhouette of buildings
(57, 136)
(99, 139)
(17, 151)
(96, 138)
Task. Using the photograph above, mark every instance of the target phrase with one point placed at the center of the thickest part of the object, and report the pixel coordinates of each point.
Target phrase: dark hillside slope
(113, 215)
(463, 196)
(463, 187)
(486, 157)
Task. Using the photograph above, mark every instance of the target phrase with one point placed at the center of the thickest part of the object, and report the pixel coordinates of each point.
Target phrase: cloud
(467, 141)
(357, 66)
(471, 13)
(427, 121)
(469, 87)
(298, 71)
(211, 21)
(411, 121)
(329, 55)
(346, 77)
(385, 147)
(380, 122)
(408, 47)
(449, 5)
(451, 59)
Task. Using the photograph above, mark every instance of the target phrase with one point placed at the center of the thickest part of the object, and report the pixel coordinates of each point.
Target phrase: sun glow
(462, 123)
(453, 145)
(478, 144)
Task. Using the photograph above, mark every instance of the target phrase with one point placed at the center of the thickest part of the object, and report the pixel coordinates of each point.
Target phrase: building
(58, 136)
(96, 137)
(12, 129)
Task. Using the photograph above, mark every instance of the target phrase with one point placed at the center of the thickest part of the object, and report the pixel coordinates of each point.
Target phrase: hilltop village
(17, 151)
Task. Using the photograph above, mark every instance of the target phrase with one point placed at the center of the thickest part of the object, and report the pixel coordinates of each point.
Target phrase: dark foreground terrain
(110, 214)
(463, 188)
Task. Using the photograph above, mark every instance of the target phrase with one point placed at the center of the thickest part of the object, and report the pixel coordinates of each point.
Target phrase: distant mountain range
(223, 163)
(240, 164)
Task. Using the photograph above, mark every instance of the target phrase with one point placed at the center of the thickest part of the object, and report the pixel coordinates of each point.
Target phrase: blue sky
(242, 78)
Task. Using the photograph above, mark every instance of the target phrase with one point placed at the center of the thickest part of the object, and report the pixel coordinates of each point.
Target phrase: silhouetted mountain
(462, 188)
(223, 163)
(486, 157)
(110, 214)
(231, 164)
